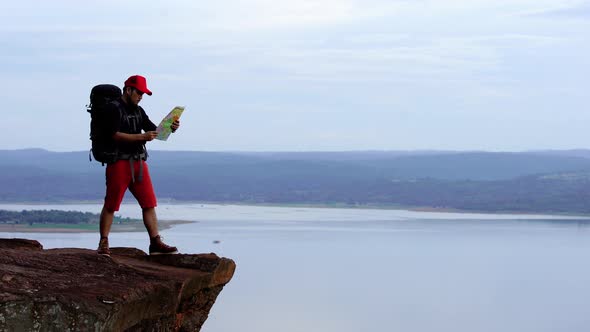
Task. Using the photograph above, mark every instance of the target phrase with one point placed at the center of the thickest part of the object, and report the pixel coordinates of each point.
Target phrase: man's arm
(146, 123)
(124, 137)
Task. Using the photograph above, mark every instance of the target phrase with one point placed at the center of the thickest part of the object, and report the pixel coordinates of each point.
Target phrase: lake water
(313, 269)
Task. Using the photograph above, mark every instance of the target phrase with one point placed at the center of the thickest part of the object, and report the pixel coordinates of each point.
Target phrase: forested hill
(542, 181)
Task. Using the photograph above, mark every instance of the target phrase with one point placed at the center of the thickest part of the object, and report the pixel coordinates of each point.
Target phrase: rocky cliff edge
(79, 290)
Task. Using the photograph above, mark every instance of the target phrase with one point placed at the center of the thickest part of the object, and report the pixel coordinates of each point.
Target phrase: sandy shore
(83, 228)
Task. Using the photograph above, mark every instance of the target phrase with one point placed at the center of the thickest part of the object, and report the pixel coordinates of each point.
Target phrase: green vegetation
(53, 218)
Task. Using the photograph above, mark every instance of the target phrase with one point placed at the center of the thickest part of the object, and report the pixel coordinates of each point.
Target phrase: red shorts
(118, 178)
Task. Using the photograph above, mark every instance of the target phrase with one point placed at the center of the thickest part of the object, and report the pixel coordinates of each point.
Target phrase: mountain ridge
(550, 181)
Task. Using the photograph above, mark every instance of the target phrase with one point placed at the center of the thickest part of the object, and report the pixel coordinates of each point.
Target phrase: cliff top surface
(128, 291)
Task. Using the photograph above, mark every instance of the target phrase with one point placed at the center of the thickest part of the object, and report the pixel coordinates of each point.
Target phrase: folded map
(164, 128)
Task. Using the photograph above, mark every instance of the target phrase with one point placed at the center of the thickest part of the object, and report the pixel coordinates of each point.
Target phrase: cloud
(577, 9)
(249, 60)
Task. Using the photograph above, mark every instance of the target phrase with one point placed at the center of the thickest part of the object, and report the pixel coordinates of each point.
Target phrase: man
(126, 121)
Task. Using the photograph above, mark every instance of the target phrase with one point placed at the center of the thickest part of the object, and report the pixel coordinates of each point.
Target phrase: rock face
(79, 290)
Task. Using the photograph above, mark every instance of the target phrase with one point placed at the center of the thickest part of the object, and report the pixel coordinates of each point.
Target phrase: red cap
(138, 82)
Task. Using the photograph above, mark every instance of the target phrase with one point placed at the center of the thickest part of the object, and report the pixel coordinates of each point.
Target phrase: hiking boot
(103, 247)
(157, 247)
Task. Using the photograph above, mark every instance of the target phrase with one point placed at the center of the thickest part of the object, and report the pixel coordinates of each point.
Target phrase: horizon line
(326, 151)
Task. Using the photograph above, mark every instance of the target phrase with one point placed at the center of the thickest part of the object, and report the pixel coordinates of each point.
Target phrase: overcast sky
(305, 75)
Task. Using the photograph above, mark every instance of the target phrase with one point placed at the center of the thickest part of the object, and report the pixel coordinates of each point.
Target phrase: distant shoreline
(86, 228)
(164, 224)
(320, 206)
(380, 207)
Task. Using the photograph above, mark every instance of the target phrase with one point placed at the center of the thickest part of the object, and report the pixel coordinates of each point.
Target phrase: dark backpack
(103, 147)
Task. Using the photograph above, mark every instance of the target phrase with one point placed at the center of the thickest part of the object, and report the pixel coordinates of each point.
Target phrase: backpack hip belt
(134, 157)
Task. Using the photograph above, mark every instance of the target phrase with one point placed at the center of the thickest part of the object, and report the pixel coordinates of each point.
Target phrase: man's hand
(149, 135)
(175, 125)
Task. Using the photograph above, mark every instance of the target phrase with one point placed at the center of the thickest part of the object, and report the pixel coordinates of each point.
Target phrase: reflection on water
(303, 269)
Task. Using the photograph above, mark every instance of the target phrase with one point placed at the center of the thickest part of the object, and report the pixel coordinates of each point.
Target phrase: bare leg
(150, 220)
(106, 220)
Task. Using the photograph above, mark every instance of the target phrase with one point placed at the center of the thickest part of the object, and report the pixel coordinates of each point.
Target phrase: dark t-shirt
(128, 119)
